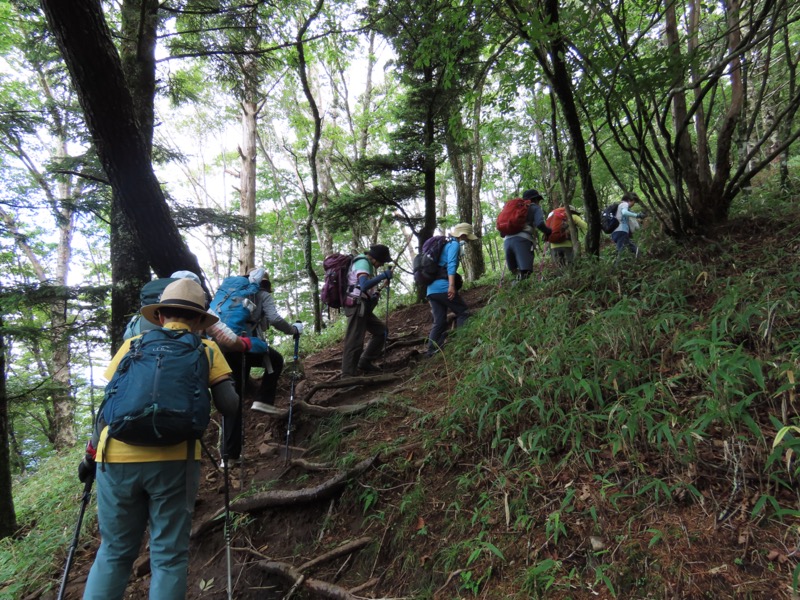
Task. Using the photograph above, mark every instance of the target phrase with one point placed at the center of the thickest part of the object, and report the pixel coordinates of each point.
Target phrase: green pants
(131, 497)
(360, 321)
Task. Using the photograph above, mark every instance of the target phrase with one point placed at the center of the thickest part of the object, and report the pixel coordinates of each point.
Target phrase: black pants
(240, 365)
(440, 304)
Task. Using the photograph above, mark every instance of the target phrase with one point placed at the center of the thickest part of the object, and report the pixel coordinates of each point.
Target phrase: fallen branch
(275, 498)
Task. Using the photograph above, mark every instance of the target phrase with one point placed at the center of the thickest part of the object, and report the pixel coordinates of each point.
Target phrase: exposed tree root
(316, 410)
(298, 576)
(417, 341)
(276, 498)
(350, 381)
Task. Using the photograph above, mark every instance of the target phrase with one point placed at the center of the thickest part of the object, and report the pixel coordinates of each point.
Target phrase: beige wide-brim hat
(185, 294)
(463, 229)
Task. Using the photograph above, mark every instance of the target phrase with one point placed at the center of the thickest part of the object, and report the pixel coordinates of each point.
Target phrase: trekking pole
(245, 377)
(386, 330)
(227, 527)
(541, 260)
(87, 494)
(291, 393)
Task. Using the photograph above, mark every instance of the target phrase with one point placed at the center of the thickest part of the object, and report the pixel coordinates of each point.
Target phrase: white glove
(298, 327)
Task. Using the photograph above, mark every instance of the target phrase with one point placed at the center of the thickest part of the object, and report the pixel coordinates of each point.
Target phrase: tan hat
(185, 294)
(463, 229)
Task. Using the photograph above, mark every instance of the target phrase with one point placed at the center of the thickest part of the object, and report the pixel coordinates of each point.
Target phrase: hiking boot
(369, 368)
(232, 462)
(263, 407)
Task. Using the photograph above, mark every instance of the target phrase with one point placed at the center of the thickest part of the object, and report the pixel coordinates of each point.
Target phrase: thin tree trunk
(8, 518)
(247, 190)
(311, 203)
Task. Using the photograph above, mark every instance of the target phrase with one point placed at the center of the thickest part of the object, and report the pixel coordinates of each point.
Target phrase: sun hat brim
(149, 312)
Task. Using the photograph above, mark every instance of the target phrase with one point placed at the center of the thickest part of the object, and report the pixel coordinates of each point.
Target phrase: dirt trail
(292, 511)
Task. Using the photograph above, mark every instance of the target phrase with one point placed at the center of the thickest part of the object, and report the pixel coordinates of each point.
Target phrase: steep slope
(606, 433)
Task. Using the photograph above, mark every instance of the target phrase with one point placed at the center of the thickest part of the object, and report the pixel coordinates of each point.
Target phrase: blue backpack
(159, 393)
(149, 294)
(234, 303)
(426, 266)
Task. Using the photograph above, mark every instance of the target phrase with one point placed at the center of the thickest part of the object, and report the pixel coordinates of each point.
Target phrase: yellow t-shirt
(114, 451)
(580, 225)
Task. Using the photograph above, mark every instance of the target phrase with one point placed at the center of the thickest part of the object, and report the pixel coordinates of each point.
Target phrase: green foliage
(47, 507)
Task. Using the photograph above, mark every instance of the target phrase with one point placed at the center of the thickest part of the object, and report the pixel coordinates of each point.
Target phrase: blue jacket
(448, 258)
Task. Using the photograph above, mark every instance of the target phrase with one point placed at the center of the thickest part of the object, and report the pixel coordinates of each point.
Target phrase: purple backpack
(426, 263)
(334, 285)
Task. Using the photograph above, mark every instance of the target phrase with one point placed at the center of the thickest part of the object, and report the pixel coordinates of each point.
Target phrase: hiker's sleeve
(366, 284)
(537, 219)
(580, 223)
(627, 213)
(225, 397)
(271, 316)
(452, 257)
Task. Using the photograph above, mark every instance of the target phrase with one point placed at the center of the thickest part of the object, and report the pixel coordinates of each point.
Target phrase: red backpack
(559, 225)
(513, 217)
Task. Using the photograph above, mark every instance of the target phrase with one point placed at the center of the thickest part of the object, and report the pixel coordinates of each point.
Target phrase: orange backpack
(559, 225)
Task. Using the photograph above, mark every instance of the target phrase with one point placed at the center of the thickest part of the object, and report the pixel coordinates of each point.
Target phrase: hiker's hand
(87, 468)
(451, 291)
(246, 342)
(387, 274)
(298, 329)
(642, 214)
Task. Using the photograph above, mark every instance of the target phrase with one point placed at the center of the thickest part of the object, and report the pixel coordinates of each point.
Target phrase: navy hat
(532, 195)
(380, 253)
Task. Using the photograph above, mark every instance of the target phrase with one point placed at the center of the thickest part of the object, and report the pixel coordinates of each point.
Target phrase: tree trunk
(96, 71)
(129, 268)
(562, 84)
(247, 153)
(8, 518)
(311, 203)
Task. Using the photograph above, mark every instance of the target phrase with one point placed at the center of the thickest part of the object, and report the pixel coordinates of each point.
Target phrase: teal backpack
(149, 294)
(159, 393)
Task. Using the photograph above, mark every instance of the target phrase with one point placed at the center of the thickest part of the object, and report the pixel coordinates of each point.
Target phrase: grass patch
(47, 506)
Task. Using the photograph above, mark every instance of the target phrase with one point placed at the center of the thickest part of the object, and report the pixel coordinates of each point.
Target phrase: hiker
(150, 293)
(360, 318)
(143, 485)
(622, 234)
(443, 293)
(519, 246)
(562, 252)
(263, 314)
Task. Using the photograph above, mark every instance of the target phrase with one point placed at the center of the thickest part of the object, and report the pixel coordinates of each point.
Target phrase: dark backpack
(426, 266)
(334, 284)
(149, 294)
(559, 225)
(608, 218)
(159, 394)
(235, 302)
(513, 216)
